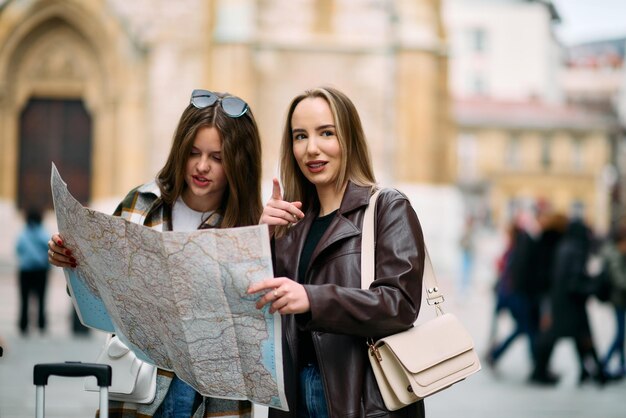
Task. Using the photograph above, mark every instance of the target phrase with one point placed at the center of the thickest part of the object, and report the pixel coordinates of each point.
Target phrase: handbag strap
(368, 258)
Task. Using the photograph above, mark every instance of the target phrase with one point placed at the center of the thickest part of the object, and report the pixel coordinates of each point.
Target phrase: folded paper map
(178, 298)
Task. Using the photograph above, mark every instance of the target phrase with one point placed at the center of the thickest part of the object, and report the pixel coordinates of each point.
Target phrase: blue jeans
(180, 401)
(312, 402)
(617, 347)
(518, 306)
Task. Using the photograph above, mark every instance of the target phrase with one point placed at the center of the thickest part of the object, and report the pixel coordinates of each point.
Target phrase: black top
(306, 351)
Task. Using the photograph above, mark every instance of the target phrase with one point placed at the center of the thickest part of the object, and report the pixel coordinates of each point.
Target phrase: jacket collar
(151, 188)
(157, 213)
(341, 227)
(354, 197)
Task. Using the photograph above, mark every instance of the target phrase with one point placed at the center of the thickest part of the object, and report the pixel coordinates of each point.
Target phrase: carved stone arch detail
(45, 18)
(55, 61)
(59, 49)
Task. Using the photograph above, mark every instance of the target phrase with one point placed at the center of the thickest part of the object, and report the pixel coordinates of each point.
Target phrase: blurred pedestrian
(614, 260)
(512, 268)
(553, 226)
(32, 254)
(503, 286)
(571, 287)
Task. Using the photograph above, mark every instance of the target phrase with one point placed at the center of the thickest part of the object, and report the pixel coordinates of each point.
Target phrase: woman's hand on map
(58, 254)
(285, 295)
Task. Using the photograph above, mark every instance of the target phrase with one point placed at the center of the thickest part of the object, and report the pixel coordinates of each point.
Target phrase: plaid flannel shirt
(144, 205)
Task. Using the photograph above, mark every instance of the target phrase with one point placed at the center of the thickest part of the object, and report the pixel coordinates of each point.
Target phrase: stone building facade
(122, 72)
(97, 86)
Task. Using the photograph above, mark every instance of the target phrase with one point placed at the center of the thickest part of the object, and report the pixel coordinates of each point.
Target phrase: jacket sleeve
(392, 302)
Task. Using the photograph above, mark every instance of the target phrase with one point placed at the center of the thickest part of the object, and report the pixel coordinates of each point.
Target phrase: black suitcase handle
(42, 372)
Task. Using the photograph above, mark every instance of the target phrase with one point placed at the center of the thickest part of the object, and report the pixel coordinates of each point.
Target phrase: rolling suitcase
(102, 372)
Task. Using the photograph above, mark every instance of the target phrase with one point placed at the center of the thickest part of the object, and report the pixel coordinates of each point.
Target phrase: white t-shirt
(186, 219)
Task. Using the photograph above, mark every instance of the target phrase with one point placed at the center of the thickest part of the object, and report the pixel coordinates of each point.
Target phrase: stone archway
(53, 78)
(60, 51)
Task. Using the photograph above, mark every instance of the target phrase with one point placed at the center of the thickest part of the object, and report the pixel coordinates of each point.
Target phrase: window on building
(577, 154)
(512, 154)
(546, 152)
(477, 38)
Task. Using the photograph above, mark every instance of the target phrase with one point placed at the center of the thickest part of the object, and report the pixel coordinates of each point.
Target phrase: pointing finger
(276, 193)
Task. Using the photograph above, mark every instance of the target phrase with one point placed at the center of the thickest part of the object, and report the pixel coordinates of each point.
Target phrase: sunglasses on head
(231, 105)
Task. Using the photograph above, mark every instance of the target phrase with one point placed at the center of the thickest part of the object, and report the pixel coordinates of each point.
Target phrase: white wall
(518, 61)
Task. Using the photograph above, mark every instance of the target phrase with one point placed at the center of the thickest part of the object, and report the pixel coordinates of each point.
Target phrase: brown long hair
(241, 158)
(356, 165)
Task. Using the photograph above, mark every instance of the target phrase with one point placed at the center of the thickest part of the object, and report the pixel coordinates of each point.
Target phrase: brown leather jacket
(343, 315)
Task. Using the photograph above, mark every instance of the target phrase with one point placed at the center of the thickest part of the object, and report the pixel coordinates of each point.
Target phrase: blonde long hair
(356, 165)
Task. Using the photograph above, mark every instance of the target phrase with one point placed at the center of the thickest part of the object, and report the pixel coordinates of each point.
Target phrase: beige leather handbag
(426, 358)
(133, 380)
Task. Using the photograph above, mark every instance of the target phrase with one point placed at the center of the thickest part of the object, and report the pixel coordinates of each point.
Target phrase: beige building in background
(516, 155)
(125, 70)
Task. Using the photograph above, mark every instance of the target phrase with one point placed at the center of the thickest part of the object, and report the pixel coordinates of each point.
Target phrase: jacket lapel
(342, 227)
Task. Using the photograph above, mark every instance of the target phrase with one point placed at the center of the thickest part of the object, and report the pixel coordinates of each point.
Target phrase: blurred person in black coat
(553, 226)
(571, 287)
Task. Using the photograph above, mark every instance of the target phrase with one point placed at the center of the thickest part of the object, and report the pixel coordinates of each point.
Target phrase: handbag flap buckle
(374, 350)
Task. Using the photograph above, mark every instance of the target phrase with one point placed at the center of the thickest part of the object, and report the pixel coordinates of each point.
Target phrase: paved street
(485, 395)
(64, 397)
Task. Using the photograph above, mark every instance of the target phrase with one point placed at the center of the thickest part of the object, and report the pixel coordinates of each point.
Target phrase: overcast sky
(590, 20)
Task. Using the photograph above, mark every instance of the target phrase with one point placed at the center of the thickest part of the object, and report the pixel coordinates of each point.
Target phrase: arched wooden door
(56, 131)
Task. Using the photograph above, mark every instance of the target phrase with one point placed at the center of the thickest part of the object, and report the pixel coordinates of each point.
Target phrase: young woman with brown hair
(212, 179)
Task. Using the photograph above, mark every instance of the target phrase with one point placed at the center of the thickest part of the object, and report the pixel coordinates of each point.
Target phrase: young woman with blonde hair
(316, 225)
